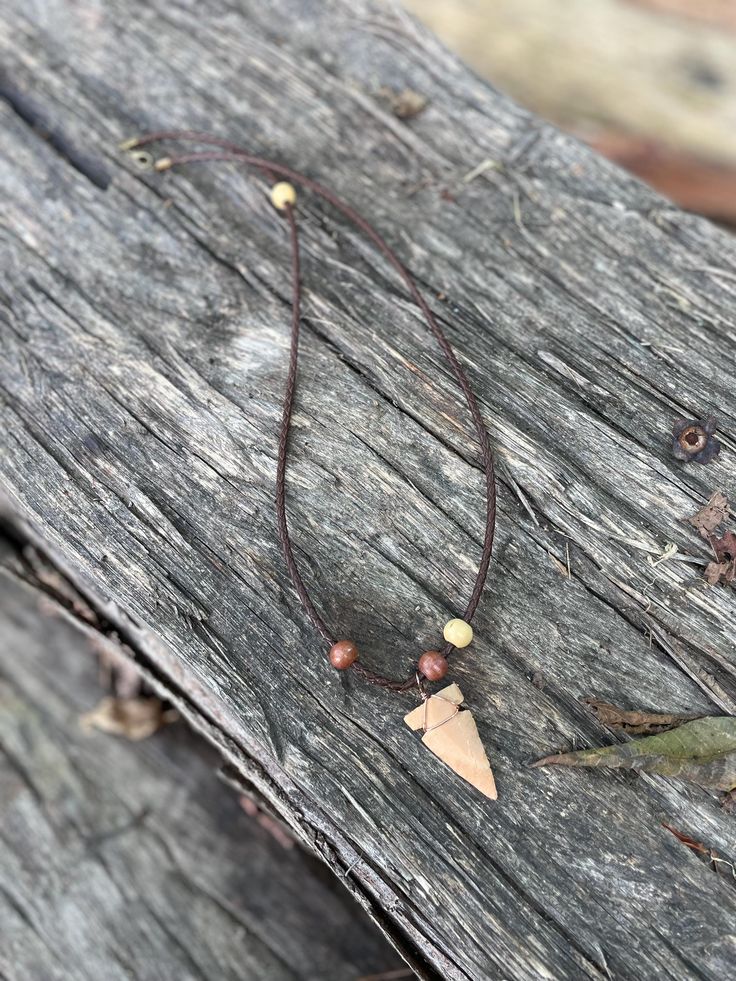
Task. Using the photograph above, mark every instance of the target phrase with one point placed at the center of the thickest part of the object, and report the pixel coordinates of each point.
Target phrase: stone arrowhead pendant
(452, 735)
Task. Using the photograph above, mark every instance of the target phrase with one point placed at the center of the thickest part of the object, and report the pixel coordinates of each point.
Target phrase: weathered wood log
(131, 860)
(144, 354)
(650, 84)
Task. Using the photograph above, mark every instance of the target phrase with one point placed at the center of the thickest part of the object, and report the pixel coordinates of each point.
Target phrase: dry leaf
(725, 547)
(724, 569)
(716, 572)
(702, 751)
(711, 515)
(635, 723)
(133, 718)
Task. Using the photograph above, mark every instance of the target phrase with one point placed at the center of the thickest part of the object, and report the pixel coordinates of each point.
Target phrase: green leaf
(702, 751)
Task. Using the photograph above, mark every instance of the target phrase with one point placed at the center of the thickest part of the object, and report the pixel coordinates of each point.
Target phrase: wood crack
(52, 136)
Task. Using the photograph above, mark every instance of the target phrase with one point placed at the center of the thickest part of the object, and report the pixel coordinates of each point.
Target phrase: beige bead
(458, 633)
(282, 194)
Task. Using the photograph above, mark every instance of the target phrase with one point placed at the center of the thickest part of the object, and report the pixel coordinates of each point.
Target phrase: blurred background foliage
(649, 83)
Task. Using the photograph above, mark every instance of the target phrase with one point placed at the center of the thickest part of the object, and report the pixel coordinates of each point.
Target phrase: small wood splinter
(452, 735)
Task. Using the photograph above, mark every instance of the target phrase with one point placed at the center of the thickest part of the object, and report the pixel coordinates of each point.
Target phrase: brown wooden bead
(433, 665)
(343, 654)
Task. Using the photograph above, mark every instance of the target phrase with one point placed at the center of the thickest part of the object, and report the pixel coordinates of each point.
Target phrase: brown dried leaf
(715, 571)
(635, 723)
(132, 718)
(724, 570)
(711, 515)
(702, 751)
(725, 547)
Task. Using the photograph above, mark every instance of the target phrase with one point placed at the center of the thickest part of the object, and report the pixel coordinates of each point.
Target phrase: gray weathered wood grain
(145, 342)
(122, 860)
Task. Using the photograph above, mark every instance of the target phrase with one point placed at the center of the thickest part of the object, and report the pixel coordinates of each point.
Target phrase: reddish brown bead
(433, 665)
(343, 654)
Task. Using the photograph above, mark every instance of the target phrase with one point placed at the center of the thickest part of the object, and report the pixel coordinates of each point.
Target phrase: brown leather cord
(281, 520)
(231, 152)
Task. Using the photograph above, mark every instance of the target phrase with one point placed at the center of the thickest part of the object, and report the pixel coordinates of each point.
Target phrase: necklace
(449, 729)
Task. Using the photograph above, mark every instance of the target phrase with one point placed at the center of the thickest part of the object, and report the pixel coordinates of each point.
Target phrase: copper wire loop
(231, 152)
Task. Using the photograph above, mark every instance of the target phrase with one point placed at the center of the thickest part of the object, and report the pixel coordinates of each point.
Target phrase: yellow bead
(282, 194)
(458, 633)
